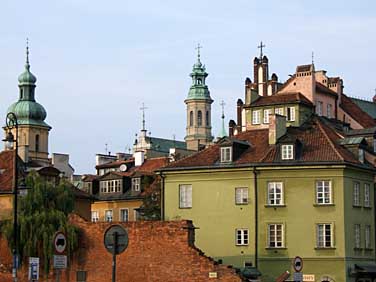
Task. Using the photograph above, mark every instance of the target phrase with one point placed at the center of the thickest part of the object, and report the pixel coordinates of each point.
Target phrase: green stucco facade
(217, 216)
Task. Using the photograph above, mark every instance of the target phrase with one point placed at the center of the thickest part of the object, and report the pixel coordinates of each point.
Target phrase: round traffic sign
(116, 239)
(297, 264)
(60, 242)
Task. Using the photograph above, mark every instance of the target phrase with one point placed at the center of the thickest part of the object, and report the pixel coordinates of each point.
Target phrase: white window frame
(357, 238)
(94, 216)
(319, 106)
(136, 214)
(226, 154)
(361, 155)
(120, 215)
(324, 192)
(256, 117)
(287, 152)
(275, 194)
(323, 240)
(185, 196)
(136, 184)
(242, 237)
(367, 195)
(241, 195)
(267, 112)
(278, 111)
(106, 217)
(329, 109)
(276, 235)
(290, 114)
(356, 194)
(367, 237)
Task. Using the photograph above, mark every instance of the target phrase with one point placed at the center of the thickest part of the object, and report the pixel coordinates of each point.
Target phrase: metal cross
(106, 148)
(260, 47)
(27, 50)
(143, 108)
(198, 49)
(313, 56)
(223, 108)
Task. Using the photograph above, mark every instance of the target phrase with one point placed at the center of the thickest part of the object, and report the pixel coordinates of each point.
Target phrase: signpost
(297, 263)
(60, 260)
(33, 269)
(115, 241)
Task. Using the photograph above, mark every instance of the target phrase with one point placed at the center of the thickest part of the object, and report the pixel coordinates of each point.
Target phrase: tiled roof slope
(6, 171)
(356, 112)
(367, 106)
(319, 146)
(282, 98)
(321, 88)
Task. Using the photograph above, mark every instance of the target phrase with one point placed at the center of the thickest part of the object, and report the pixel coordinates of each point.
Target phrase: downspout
(256, 214)
(163, 197)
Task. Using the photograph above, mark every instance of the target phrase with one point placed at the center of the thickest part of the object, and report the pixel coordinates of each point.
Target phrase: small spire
(313, 57)
(143, 108)
(260, 47)
(27, 54)
(223, 130)
(198, 53)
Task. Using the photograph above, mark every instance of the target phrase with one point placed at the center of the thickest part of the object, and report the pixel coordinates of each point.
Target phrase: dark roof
(304, 68)
(367, 106)
(7, 159)
(282, 98)
(362, 131)
(164, 145)
(321, 88)
(319, 145)
(356, 112)
(114, 163)
(89, 177)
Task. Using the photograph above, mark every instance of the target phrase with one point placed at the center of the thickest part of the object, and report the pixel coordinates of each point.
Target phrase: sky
(98, 61)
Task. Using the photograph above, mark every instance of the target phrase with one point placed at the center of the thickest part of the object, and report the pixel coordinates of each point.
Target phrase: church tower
(198, 130)
(32, 130)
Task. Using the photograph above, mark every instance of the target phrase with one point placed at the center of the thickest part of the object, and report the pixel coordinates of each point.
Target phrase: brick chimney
(139, 158)
(277, 128)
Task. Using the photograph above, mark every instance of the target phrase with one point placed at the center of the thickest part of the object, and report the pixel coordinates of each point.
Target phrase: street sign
(309, 277)
(33, 269)
(60, 242)
(60, 262)
(297, 263)
(116, 239)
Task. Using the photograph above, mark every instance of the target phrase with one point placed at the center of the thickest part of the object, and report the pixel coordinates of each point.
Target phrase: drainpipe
(163, 197)
(255, 172)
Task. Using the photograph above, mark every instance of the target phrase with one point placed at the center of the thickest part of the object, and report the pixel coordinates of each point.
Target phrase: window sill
(241, 204)
(323, 205)
(275, 206)
(245, 245)
(368, 207)
(325, 248)
(358, 249)
(185, 208)
(368, 249)
(357, 206)
(275, 248)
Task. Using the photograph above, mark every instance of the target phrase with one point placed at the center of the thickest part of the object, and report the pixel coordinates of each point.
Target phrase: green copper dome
(198, 89)
(27, 77)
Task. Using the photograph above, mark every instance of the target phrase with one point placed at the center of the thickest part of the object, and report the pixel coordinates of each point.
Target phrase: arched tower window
(199, 81)
(21, 93)
(207, 118)
(199, 118)
(37, 143)
(191, 118)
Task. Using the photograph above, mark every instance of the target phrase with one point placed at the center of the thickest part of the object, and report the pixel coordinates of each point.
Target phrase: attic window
(226, 154)
(136, 184)
(361, 155)
(287, 152)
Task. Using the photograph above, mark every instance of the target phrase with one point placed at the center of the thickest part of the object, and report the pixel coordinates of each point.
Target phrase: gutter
(255, 172)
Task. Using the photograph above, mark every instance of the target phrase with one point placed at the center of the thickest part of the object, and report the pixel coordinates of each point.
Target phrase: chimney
(139, 158)
(277, 128)
(239, 109)
(231, 128)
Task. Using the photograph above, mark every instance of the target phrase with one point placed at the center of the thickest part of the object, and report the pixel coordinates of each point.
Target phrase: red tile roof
(114, 164)
(319, 145)
(282, 98)
(7, 160)
(321, 88)
(356, 112)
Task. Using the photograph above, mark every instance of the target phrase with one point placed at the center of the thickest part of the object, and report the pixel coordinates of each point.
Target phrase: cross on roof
(223, 108)
(27, 50)
(143, 108)
(260, 47)
(313, 56)
(198, 49)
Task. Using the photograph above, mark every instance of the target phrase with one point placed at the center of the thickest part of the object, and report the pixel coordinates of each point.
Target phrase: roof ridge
(328, 138)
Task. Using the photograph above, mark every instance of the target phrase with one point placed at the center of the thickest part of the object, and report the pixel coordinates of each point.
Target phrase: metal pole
(114, 256)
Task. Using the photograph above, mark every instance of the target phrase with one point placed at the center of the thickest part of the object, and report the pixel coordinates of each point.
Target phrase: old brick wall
(157, 252)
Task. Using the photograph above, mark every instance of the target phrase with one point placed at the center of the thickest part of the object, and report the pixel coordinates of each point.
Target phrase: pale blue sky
(97, 61)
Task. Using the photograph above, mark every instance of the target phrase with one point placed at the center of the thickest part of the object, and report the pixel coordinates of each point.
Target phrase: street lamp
(10, 143)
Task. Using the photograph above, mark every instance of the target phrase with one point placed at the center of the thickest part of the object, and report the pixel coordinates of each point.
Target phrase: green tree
(43, 212)
(151, 207)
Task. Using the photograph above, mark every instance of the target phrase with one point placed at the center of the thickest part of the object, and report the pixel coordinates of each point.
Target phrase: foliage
(43, 212)
(151, 208)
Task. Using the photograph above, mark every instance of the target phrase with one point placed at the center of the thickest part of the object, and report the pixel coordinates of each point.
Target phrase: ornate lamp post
(10, 143)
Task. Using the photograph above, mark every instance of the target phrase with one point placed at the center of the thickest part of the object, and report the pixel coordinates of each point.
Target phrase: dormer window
(361, 155)
(136, 184)
(287, 152)
(226, 154)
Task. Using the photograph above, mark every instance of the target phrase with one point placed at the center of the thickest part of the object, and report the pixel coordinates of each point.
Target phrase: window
(356, 194)
(357, 236)
(37, 143)
(287, 152)
(279, 111)
(319, 108)
(124, 215)
(275, 193)
(199, 118)
(137, 215)
(241, 196)
(108, 215)
(226, 154)
(242, 237)
(185, 196)
(117, 185)
(191, 118)
(207, 118)
(323, 192)
(361, 155)
(266, 115)
(367, 237)
(275, 236)
(136, 184)
(324, 237)
(110, 186)
(94, 216)
(290, 114)
(329, 110)
(199, 81)
(367, 202)
(256, 117)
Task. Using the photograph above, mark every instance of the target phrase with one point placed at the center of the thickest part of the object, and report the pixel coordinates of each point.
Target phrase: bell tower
(198, 130)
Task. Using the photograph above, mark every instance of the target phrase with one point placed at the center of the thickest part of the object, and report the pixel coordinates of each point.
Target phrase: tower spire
(27, 65)
(143, 108)
(223, 130)
(198, 52)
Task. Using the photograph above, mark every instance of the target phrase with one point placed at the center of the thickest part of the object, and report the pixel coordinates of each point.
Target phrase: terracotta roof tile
(114, 164)
(356, 112)
(282, 98)
(6, 170)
